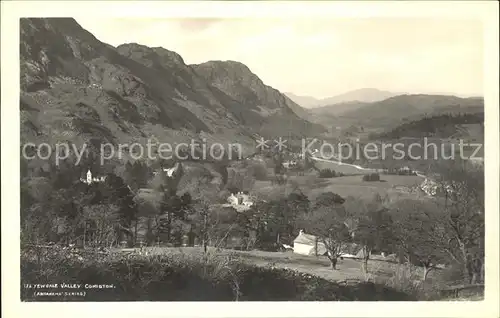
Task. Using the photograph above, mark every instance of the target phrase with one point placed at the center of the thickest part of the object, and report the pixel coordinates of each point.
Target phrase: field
(347, 185)
(401, 277)
(341, 167)
(165, 274)
(182, 274)
(347, 269)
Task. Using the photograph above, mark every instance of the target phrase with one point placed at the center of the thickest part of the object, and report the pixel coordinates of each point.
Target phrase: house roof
(304, 238)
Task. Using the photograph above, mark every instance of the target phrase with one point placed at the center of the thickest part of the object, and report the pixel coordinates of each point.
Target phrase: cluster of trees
(137, 174)
(400, 172)
(447, 230)
(329, 173)
(371, 177)
(57, 207)
(259, 171)
(440, 126)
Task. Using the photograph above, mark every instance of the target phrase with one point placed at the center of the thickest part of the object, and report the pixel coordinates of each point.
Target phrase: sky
(321, 57)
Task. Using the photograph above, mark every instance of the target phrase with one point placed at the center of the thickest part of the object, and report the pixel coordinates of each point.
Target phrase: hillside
(304, 101)
(407, 105)
(264, 106)
(330, 115)
(75, 88)
(393, 111)
(440, 126)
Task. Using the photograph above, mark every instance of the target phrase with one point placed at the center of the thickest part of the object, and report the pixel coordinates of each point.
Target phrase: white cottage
(239, 201)
(233, 200)
(90, 179)
(170, 172)
(307, 244)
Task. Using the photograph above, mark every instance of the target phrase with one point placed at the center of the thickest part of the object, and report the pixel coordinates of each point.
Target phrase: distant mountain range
(394, 110)
(75, 88)
(367, 95)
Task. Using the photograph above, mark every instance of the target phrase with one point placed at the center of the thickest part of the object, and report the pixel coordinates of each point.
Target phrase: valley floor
(348, 185)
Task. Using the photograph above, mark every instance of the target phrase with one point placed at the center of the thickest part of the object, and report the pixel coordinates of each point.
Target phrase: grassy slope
(171, 275)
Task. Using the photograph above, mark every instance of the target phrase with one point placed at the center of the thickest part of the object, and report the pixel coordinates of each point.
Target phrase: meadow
(186, 274)
(174, 275)
(346, 186)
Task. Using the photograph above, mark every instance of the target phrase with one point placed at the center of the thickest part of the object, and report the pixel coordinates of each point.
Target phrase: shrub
(371, 177)
(454, 274)
(259, 171)
(327, 173)
(406, 279)
(240, 180)
(177, 276)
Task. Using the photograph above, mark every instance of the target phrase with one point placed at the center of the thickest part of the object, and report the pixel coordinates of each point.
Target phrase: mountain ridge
(395, 109)
(367, 95)
(75, 88)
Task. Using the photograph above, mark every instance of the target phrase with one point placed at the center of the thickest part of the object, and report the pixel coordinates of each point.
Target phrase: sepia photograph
(272, 158)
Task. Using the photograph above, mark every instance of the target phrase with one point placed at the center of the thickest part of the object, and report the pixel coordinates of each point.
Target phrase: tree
(137, 174)
(37, 217)
(327, 173)
(371, 177)
(202, 219)
(239, 181)
(258, 171)
(279, 169)
(221, 168)
(463, 217)
(99, 224)
(173, 208)
(329, 198)
(273, 220)
(373, 226)
(148, 207)
(327, 221)
(203, 216)
(115, 191)
(418, 233)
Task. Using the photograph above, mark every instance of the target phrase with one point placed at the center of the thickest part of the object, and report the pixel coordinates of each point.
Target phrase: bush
(406, 279)
(454, 274)
(259, 171)
(240, 180)
(186, 277)
(327, 173)
(371, 177)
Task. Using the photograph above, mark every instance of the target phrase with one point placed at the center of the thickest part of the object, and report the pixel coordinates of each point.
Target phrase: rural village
(277, 224)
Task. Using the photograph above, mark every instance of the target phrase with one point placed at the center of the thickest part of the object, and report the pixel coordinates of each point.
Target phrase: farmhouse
(290, 164)
(170, 172)
(90, 179)
(240, 199)
(432, 188)
(307, 244)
